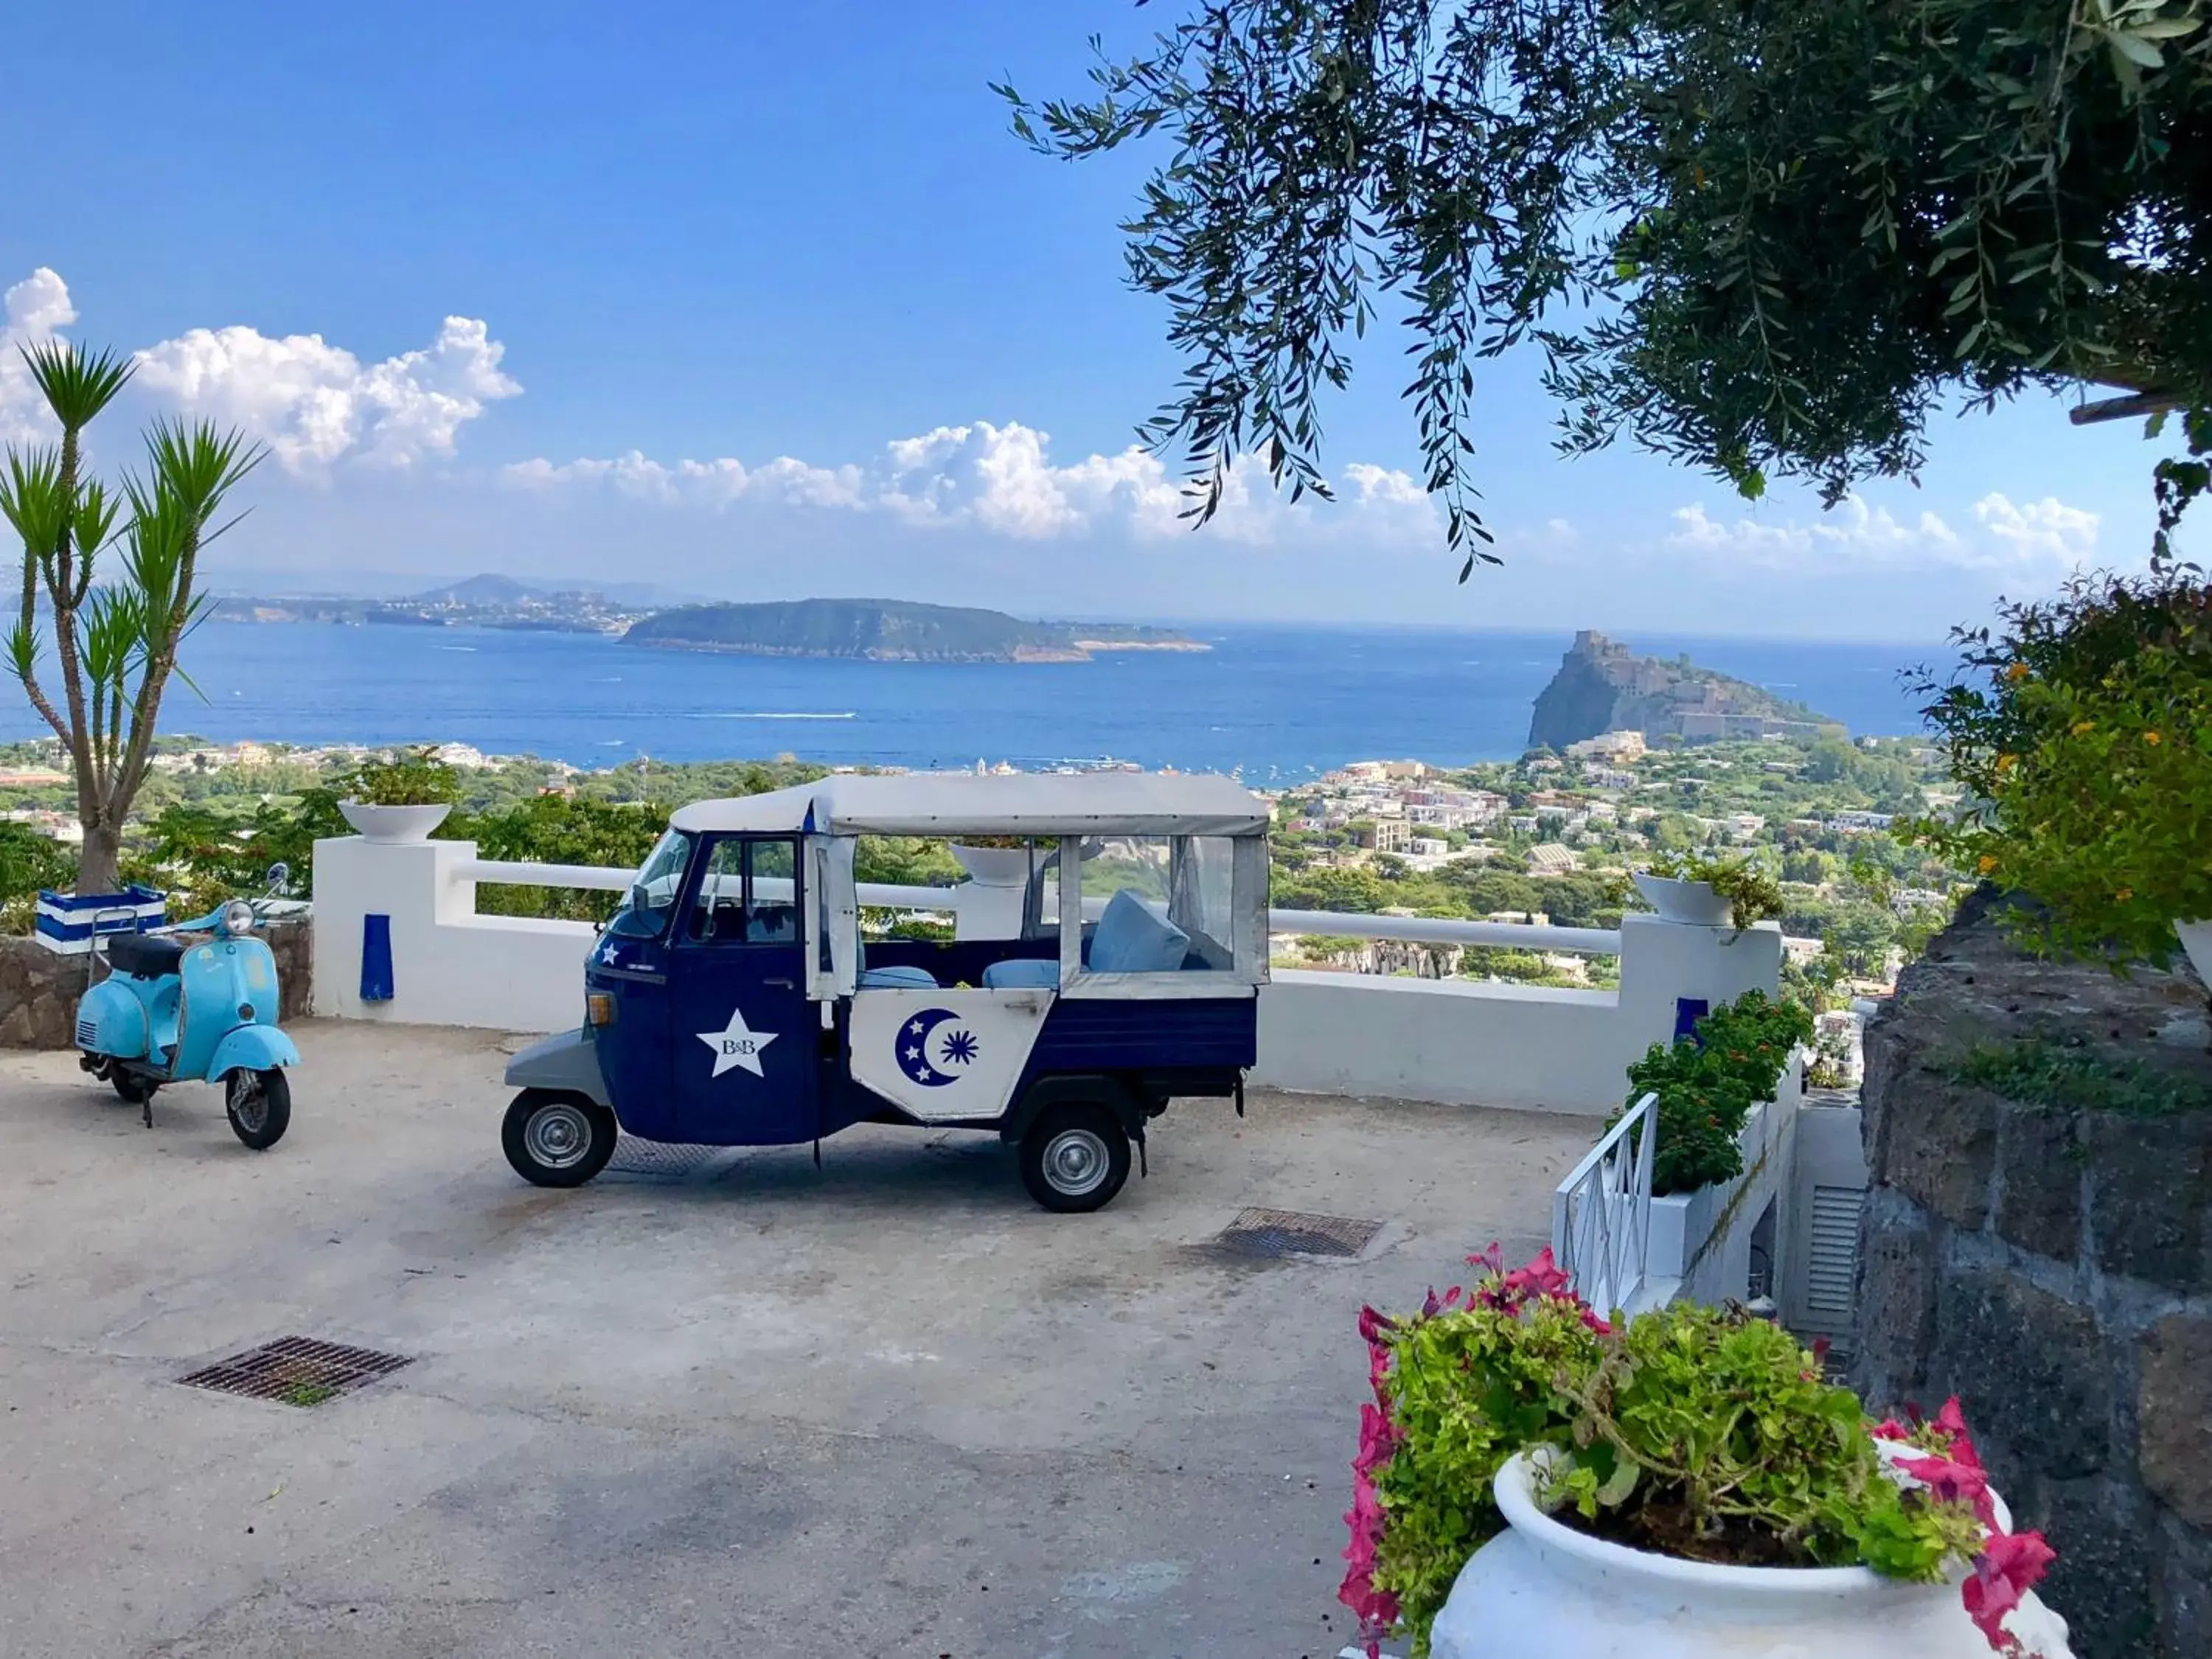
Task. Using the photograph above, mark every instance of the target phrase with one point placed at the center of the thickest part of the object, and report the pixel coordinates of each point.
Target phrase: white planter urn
(1692, 901)
(394, 824)
(2197, 942)
(993, 866)
(1541, 1591)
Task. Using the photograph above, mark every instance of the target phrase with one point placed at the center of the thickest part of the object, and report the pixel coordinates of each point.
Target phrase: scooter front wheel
(259, 1104)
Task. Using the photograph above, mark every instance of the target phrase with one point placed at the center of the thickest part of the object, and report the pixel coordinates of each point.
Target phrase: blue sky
(760, 301)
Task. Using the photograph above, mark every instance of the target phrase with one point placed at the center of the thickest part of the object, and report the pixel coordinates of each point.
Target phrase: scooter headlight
(237, 918)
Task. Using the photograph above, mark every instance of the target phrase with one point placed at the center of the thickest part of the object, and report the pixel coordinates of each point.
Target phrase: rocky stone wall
(38, 990)
(2051, 1265)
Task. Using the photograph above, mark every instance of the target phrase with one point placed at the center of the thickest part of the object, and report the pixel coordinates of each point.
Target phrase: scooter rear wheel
(259, 1105)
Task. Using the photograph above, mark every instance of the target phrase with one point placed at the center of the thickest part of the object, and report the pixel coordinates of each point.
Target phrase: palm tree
(115, 644)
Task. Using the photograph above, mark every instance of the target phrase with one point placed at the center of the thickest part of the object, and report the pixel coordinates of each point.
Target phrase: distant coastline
(890, 631)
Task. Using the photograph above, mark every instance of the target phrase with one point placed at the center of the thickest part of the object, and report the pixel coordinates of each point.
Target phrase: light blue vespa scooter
(172, 1011)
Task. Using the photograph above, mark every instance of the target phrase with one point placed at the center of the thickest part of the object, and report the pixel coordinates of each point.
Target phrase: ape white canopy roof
(961, 802)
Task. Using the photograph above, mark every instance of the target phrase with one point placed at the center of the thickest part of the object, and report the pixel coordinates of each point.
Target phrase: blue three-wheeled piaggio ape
(732, 1001)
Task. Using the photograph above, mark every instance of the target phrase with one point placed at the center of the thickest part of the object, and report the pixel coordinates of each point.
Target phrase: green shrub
(2052, 1077)
(29, 862)
(2082, 731)
(201, 855)
(558, 829)
(1708, 1084)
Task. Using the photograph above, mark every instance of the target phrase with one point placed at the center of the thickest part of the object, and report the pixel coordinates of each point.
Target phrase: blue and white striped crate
(68, 922)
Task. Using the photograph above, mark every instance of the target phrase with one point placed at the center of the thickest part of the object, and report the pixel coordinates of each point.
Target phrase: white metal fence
(1602, 1212)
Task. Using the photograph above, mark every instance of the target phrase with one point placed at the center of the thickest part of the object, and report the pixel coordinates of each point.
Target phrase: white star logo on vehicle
(737, 1044)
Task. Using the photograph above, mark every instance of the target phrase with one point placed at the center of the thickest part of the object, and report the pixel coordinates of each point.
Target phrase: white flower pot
(1692, 901)
(394, 824)
(1541, 1591)
(993, 866)
(2197, 941)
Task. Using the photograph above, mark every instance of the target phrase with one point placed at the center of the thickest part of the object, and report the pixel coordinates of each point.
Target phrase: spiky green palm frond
(77, 384)
(35, 502)
(196, 466)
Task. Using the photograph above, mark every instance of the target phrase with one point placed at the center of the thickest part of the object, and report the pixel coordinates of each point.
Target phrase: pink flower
(1951, 1423)
(1541, 1277)
(1377, 1440)
(1492, 1261)
(1950, 1481)
(2010, 1565)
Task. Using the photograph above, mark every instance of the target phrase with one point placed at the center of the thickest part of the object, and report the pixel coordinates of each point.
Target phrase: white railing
(1602, 1212)
(1459, 1040)
(515, 873)
(1425, 930)
(1439, 930)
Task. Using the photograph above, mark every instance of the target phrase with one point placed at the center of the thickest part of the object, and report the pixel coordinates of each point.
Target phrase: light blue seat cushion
(1131, 939)
(898, 979)
(1022, 975)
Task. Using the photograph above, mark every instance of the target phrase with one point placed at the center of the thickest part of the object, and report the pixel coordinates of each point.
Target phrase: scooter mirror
(280, 877)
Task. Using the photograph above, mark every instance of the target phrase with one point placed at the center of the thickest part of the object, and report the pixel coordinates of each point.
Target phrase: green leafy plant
(1747, 881)
(205, 855)
(1707, 1084)
(114, 644)
(560, 829)
(406, 777)
(2081, 729)
(29, 863)
(1696, 1432)
(2054, 1077)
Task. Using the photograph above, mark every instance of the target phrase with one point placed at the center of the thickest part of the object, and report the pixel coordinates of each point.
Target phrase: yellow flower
(2018, 671)
(2085, 727)
(1984, 864)
(2150, 737)
(2124, 895)
(2006, 762)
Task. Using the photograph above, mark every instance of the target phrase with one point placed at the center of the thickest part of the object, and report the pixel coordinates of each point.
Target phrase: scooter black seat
(144, 955)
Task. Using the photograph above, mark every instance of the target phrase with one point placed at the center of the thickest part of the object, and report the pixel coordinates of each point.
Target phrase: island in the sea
(890, 630)
(1602, 686)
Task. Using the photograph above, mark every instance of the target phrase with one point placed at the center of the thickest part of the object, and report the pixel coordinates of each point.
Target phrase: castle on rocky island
(1602, 686)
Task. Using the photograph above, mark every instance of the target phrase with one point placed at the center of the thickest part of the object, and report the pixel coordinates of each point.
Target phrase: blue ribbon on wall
(376, 958)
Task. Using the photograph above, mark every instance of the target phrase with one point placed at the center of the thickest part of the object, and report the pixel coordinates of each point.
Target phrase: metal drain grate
(297, 1371)
(1295, 1232)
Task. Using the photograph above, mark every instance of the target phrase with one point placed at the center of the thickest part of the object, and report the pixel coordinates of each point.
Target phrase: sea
(1275, 704)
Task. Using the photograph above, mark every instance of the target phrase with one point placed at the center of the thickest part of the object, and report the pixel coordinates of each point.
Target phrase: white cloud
(2042, 531)
(314, 403)
(707, 483)
(1855, 535)
(1003, 479)
(30, 312)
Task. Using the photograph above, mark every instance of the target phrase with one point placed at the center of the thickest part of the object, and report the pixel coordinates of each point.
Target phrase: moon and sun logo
(925, 1050)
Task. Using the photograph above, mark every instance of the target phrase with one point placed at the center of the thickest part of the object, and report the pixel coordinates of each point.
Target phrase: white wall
(1520, 1046)
(450, 966)
(1460, 1042)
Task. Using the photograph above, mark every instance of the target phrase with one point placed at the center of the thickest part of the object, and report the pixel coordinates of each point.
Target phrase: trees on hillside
(1766, 239)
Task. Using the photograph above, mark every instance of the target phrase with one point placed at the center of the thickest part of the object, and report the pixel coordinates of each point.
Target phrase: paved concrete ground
(888, 1408)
